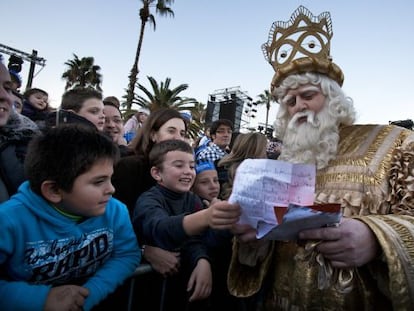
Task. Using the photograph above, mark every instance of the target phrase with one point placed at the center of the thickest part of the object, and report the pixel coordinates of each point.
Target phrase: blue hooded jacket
(40, 248)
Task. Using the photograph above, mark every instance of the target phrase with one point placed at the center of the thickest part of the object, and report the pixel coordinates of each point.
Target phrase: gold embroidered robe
(372, 178)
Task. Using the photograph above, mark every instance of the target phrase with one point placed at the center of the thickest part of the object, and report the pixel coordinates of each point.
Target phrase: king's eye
(291, 102)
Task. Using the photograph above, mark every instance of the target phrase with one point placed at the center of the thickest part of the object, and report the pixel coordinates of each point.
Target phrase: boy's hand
(223, 215)
(66, 298)
(164, 262)
(201, 281)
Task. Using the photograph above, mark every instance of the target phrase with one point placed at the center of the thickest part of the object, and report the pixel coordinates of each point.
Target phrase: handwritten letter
(262, 184)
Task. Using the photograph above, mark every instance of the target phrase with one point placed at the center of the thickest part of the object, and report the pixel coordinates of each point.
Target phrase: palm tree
(266, 98)
(162, 96)
(146, 16)
(198, 113)
(82, 72)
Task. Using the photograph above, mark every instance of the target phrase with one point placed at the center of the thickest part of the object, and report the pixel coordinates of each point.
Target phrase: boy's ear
(156, 173)
(50, 191)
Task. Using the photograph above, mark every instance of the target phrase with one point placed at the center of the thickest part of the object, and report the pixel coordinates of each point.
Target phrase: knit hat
(144, 110)
(15, 77)
(186, 115)
(204, 166)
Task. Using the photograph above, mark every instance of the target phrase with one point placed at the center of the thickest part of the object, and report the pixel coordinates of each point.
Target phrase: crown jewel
(300, 45)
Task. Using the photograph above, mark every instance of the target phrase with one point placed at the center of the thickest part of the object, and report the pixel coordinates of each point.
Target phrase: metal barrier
(140, 270)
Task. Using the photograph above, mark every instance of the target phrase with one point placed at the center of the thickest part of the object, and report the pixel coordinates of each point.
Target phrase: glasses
(115, 120)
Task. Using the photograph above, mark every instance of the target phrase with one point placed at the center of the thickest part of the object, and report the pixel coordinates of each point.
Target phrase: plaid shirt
(211, 153)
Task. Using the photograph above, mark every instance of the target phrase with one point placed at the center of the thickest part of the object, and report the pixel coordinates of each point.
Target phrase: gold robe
(372, 178)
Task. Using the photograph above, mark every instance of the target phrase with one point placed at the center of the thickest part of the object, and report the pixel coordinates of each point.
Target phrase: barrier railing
(140, 270)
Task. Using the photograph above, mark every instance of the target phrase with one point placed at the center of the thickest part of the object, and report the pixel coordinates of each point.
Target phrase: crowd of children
(84, 204)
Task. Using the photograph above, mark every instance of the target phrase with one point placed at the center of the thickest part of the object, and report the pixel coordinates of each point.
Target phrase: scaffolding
(32, 58)
(233, 104)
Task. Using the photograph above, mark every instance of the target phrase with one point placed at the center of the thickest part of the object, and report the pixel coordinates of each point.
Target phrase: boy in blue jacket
(65, 242)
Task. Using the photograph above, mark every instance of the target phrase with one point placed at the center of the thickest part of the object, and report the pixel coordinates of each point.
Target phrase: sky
(216, 44)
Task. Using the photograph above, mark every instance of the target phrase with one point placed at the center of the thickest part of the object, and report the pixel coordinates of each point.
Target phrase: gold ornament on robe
(372, 178)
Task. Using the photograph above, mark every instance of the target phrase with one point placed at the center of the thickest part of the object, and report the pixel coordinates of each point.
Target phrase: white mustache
(310, 118)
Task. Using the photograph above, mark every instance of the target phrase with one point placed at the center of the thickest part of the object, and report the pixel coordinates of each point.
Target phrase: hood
(43, 210)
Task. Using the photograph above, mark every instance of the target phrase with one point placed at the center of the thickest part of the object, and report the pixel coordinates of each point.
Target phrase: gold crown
(301, 45)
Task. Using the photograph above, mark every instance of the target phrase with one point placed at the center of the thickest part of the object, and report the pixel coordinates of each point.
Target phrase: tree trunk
(267, 114)
(133, 76)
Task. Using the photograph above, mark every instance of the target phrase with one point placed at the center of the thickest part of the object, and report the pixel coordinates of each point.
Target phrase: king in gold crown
(301, 45)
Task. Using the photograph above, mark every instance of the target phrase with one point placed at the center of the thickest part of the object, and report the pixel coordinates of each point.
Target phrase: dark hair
(216, 124)
(112, 100)
(109, 103)
(64, 152)
(159, 150)
(32, 91)
(246, 146)
(74, 98)
(18, 94)
(142, 142)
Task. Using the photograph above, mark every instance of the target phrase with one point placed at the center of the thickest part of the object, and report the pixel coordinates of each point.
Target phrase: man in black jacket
(15, 133)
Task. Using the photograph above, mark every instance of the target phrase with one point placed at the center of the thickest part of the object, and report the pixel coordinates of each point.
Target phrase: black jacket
(158, 221)
(14, 139)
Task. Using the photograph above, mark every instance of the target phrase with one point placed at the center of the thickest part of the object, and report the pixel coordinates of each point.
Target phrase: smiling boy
(171, 217)
(66, 243)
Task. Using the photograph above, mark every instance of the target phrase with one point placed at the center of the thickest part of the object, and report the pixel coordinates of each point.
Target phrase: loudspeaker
(228, 110)
(209, 112)
(15, 63)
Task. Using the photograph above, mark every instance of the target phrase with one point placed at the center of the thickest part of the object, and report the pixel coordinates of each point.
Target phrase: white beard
(314, 141)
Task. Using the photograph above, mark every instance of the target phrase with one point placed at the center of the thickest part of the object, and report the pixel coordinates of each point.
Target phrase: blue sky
(216, 44)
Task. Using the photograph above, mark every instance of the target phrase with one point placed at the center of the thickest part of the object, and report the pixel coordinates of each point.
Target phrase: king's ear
(156, 173)
(51, 191)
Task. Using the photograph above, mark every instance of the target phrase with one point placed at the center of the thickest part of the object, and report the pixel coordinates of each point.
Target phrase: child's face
(177, 172)
(38, 100)
(91, 191)
(93, 110)
(207, 185)
(142, 117)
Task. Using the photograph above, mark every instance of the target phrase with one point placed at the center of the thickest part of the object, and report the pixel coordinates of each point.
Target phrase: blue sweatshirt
(41, 248)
